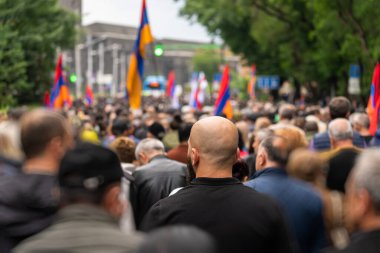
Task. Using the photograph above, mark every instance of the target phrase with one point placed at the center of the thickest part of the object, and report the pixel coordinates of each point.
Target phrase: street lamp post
(123, 62)
(115, 73)
(78, 70)
(89, 61)
(101, 66)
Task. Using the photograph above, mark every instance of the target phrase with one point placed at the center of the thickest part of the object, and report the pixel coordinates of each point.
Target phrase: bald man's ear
(194, 153)
(237, 155)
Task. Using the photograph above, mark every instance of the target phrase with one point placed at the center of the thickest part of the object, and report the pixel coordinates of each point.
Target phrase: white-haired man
(342, 157)
(155, 179)
(363, 203)
(360, 123)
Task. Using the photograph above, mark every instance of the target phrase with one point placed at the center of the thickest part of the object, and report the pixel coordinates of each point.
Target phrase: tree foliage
(208, 61)
(12, 70)
(34, 30)
(304, 40)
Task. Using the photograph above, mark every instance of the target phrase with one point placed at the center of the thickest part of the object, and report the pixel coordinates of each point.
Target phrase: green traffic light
(73, 78)
(158, 50)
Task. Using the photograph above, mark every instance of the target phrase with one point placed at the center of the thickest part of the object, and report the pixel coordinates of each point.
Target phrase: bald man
(239, 218)
(28, 201)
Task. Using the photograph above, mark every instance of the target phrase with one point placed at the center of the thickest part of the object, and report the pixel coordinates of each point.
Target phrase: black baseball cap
(90, 167)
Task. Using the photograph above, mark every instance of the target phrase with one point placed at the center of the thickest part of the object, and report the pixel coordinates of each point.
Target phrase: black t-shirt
(339, 168)
(239, 218)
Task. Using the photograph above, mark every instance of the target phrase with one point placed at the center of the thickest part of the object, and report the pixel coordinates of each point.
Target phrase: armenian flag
(60, 94)
(89, 95)
(194, 87)
(223, 103)
(170, 86)
(136, 65)
(47, 98)
(373, 105)
(252, 83)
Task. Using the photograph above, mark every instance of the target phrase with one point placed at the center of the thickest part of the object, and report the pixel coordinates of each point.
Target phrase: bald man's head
(216, 141)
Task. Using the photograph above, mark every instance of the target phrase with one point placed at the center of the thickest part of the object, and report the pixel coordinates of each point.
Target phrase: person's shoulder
(248, 191)
(174, 163)
(305, 192)
(258, 182)
(37, 243)
(251, 183)
(321, 135)
(332, 250)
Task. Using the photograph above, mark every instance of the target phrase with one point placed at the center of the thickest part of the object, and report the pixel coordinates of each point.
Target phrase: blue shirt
(303, 207)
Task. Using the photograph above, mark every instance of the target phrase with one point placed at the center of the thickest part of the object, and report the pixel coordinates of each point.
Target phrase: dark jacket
(340, 162)
(239, 218)
(303, 207)
(364, 242)
(81, 228)
(179, 153)
(155, 181)
(321, 141)
(27, 205)
(9, 167)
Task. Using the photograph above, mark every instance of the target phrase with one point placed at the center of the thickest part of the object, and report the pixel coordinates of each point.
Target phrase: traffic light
(158, 50)
(73, 78)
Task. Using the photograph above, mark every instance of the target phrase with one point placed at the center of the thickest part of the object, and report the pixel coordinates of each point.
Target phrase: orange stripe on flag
(134, 84)
(146, 38)
(228, 110)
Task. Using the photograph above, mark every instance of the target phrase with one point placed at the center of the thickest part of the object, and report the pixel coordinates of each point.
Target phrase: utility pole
(123, 61)
(78, 70)
(101, 66)
(115, 61)
(89, 60)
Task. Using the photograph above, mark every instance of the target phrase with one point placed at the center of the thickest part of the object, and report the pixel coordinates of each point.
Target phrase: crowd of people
(103, 178)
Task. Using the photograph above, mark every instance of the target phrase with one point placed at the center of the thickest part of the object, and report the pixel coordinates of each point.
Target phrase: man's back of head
(121, 126)
(86, 174)
(184, 132)
(44, 134)
(339, 107)
(147, 149)
(287, 111)
(213, 147)
(273, 152)
(340, 132)
(360, 121)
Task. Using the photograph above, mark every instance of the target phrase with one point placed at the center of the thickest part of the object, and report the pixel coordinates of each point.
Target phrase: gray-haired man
(155, 179)
(342, 157)
(363, 203)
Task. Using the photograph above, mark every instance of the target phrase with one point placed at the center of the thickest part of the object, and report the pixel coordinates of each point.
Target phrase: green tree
(299, 39)
(42, 27)
(12, 70)
(208, 61)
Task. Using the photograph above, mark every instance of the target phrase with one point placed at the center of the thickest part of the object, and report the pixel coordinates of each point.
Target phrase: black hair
(339, 107)
(184, 131)
(240, 169)
(120, 125)
(241, 141)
